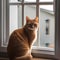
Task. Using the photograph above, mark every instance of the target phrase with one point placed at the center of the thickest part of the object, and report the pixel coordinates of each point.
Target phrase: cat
(21, 40)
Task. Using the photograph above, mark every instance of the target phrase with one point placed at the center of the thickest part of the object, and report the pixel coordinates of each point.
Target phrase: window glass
(29, 0)
(45, 0)
(47, 28)
(15, 18)
(15, 0)
(47, 7)
(29, 10)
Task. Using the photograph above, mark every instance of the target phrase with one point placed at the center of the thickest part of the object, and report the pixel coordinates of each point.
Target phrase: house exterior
(44, 39)
(50, 37)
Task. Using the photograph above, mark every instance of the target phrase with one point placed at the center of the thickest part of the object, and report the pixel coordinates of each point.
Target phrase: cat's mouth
(31, 28)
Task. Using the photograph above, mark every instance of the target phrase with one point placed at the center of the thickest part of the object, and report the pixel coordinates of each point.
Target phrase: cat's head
(32, 24)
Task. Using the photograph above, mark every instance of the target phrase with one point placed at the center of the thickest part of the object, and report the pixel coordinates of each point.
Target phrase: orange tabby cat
(21, 40)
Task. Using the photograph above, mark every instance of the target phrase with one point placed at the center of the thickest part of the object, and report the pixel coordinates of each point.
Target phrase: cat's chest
(33, 36)
(32, 39)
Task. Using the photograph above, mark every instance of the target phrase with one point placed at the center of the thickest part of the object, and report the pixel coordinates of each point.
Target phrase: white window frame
(4, 25)
(5, 32)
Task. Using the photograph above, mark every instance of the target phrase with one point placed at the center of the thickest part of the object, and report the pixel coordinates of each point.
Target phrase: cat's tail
(24, 58)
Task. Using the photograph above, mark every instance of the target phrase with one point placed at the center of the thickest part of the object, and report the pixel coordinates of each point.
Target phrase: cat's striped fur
(21, 40)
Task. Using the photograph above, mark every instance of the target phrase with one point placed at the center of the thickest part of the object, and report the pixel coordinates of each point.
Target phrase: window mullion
(7, 21)
(37, 14)
(37, 8)
(46, 3)
(22, 12)
(3, 41)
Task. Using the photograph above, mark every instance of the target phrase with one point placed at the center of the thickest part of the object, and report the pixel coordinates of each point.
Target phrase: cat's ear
(27, 18)
(36, 19)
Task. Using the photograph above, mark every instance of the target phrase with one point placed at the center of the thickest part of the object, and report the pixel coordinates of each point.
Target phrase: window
(19, 9)
(47, 27)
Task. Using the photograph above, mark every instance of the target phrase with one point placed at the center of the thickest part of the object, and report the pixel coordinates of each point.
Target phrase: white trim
(3, 27)
(2, 24)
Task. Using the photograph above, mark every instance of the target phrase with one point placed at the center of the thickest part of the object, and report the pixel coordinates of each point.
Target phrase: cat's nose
(32, 26)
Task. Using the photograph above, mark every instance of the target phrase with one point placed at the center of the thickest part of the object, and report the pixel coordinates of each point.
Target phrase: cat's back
(17, 35)
(17, 32)
(20, 31)
(14, 35)
(17, 43)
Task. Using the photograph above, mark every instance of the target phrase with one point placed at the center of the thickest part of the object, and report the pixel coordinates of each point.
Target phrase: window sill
(43, 52)
(43, 48)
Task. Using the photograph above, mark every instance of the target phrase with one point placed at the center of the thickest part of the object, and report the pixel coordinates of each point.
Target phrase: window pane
(47, 7)
(29, 10)
(45, 0)
(29, 0)
(15, 19)
(47, 26)
(15, 0)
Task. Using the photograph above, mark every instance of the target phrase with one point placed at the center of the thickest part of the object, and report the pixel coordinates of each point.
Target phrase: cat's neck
(29, 32)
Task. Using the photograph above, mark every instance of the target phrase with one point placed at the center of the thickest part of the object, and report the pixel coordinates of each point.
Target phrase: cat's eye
(35, 25)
